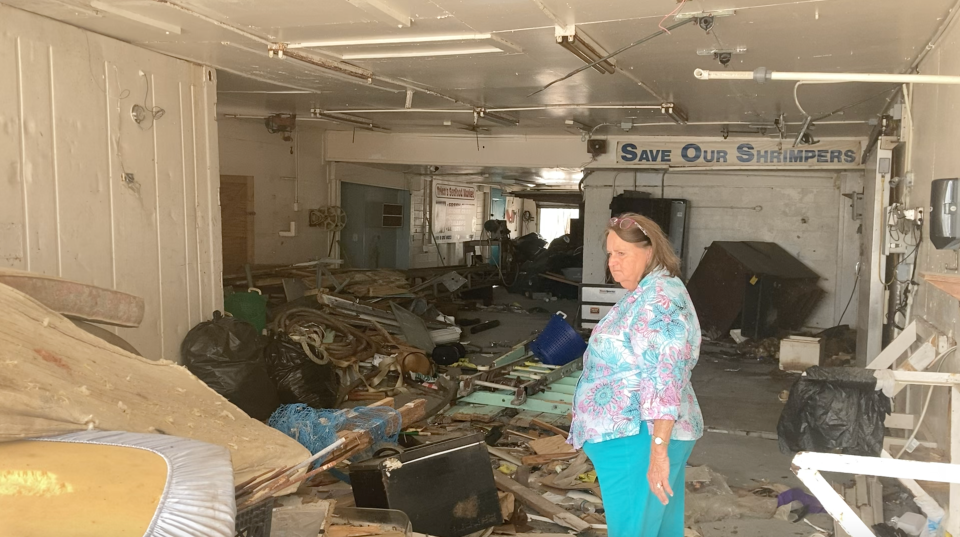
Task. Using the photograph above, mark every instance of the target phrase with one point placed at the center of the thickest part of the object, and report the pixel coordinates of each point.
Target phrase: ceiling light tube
(499, 119)
(136, 17)
(419, 53)
(762, 75)
(584, 48)
(390, 40)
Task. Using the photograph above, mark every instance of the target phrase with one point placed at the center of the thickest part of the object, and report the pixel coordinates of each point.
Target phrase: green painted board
(554, 396)
(496, 399)
(567, 381)
(561, 388)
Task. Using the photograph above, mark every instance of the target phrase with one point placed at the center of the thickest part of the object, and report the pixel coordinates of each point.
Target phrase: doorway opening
(555, 221)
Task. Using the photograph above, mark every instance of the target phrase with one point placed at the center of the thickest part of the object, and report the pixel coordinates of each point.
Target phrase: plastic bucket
(559, 343)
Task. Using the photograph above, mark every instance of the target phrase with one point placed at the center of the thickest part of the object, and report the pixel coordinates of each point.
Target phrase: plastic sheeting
(836, 408)
(198, 499)
(226, 354)
(298, 378)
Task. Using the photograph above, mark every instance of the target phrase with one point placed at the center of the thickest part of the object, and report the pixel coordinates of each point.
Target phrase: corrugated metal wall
(88, 194)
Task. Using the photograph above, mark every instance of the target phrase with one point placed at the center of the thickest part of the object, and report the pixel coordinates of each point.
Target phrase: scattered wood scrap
(535, 501)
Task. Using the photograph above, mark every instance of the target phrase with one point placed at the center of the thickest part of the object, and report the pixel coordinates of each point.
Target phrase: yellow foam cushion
(81, 490)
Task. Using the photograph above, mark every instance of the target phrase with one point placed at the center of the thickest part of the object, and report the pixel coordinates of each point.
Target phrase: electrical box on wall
(944, 220)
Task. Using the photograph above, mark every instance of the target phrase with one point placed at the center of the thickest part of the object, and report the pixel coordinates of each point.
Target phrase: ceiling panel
(787, 35)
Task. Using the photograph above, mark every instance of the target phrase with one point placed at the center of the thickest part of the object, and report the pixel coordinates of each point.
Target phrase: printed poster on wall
(734, 153)
(454, 214)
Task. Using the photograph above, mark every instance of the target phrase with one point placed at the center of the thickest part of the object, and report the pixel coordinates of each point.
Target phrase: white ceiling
(783, 35)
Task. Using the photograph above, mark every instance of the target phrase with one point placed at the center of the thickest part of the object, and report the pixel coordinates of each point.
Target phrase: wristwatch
(658, 441)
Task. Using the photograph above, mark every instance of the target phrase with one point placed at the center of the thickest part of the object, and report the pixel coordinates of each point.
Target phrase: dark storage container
(446, 488)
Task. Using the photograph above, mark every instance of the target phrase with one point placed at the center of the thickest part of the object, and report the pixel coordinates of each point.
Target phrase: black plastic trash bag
(834, 408)
(225, 353)
(298, 378)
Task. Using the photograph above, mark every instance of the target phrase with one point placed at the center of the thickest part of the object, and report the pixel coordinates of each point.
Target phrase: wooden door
(236, 216)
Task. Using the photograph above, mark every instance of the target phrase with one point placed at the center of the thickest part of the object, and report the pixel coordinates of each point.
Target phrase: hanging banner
(760, 153)
(454, 213)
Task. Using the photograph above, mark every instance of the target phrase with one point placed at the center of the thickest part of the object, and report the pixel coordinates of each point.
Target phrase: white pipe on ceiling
(761, 75)
(504, 109)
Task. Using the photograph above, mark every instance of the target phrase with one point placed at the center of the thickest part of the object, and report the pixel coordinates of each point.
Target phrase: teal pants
(632, 510)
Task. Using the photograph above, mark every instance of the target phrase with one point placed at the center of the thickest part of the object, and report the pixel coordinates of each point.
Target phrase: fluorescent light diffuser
(418, 53)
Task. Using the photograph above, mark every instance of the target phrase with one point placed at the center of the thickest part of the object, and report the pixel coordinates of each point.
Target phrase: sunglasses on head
(625, 223)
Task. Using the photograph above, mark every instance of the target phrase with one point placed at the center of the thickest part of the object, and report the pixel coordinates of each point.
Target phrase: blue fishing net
(316, 429)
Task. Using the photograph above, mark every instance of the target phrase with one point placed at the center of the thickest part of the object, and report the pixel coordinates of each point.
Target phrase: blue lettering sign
(721, 155)
(666, 155)
(628, 152)
(836, 155)
(691, 152)
(745, 153)
(849, 156)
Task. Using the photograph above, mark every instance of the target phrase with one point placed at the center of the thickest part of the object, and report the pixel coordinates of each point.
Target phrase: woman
(634, 411)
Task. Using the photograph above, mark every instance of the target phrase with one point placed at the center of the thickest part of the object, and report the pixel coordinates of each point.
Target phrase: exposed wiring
(926, 404)
(668, 15)
(140, 113)
(846, 107)
(614, 53)
(852, 293)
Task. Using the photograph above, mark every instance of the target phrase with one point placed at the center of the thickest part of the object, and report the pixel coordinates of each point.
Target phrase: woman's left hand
(659, 477)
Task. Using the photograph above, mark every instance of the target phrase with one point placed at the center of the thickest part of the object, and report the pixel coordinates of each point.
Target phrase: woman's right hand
(659, 477)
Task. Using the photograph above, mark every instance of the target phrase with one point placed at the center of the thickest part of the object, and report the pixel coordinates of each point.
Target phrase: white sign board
(454, 215)
(733, 153)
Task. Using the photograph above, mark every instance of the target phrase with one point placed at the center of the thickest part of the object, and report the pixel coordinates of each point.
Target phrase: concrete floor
(733, 394)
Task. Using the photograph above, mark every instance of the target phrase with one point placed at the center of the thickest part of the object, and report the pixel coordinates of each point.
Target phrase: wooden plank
(900, 421)
(481, 413)
(537, 460)
(538, 503)
(948, 283)
(551, 444)
(554, 397)
(503, 455)
(876, 498)
(562, 388)
(548, 427)
(861, 491)
(896, 348)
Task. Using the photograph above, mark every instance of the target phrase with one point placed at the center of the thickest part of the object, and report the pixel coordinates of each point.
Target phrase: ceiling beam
(380, 8)
(136, 17)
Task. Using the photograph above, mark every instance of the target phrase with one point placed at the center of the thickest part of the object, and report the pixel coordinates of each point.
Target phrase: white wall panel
(67, 139)
(246, 148)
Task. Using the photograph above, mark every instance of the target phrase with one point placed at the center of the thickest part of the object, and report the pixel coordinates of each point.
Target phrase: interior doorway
(377, 233)
(236, 218)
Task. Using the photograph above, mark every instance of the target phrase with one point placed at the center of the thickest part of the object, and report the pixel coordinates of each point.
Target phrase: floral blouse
(637, 366)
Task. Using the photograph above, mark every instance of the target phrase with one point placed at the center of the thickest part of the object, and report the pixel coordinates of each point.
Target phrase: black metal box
(446, 488)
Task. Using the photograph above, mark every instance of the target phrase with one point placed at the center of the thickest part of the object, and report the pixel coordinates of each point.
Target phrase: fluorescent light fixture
(554, 175)
(359, 123)
(419, 53)
(382, 8)
(405, 40)
(704, 14)
(136, 17)
(499, 119)
(673, 112)
(762, 75)
(584, 48)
